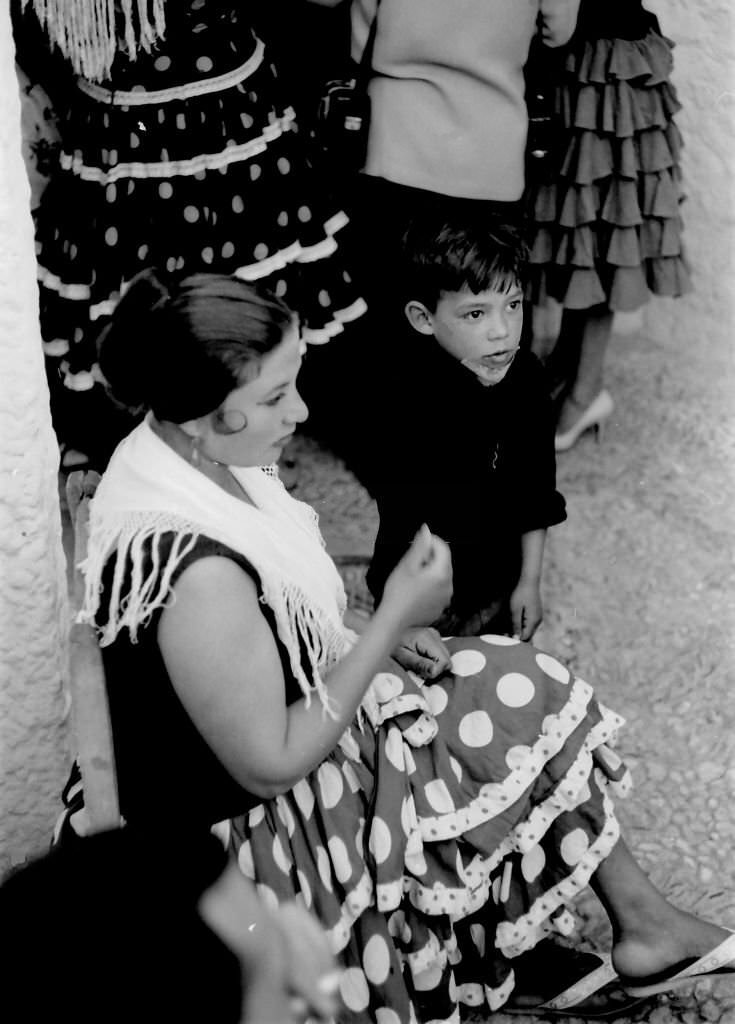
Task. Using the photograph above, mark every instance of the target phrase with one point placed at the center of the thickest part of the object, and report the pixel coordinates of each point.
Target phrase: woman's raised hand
(420, 587)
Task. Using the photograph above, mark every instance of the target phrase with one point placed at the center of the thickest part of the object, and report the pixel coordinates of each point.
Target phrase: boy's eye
(473, 314)
(275, 400)
(515, 304)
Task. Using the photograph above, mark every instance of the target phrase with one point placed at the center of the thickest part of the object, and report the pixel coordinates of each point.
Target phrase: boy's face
(482, 331)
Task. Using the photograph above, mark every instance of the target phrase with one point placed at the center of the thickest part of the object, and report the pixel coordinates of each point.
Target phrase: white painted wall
(33, 616)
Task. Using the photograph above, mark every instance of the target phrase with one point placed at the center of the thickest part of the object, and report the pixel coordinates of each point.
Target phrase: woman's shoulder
(204, 547)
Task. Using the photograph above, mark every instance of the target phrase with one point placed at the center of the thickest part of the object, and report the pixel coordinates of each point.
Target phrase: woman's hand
(420, 587)
(526, 608)
(422, 650)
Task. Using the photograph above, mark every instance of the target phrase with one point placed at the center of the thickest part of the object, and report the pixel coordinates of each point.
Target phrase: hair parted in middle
(443, 254)
(179, 347)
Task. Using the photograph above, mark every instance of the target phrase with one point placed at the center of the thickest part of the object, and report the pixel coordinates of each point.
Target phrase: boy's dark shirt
(475, 463)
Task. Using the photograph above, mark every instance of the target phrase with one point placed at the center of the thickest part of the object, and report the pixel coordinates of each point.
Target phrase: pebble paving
(640, 599)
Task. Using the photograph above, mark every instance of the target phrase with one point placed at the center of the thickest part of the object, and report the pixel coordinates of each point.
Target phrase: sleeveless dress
(187, 159)
(605, 223)
(443, 836)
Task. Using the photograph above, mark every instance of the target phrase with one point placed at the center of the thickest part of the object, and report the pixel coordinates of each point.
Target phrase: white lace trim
(141, 97)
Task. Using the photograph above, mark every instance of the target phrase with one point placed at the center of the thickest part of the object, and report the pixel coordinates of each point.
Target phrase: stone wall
(704, 75)
(33, 619)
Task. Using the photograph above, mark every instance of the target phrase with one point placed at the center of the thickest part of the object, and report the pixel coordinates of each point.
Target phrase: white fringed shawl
(148, 491)
(86, 31)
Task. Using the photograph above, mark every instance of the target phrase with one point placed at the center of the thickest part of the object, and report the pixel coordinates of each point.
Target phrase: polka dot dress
(188, 160)
(449, 829)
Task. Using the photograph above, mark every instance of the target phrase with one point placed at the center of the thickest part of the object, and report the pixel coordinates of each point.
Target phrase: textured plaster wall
(704, 75)
(33, 616)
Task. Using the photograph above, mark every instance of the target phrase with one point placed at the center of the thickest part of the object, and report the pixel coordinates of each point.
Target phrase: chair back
(90, 708)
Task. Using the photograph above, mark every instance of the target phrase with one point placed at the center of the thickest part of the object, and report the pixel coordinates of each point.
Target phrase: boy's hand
(526, 609)
(422, 650)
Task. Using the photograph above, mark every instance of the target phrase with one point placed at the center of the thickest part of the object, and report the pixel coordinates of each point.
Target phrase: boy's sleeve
(540, 503)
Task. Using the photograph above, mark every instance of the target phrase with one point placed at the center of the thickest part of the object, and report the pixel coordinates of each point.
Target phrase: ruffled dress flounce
(189, 160)
(446, 835)
(606, 226)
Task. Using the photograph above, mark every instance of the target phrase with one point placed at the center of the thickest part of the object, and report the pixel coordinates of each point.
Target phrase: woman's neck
(186, 447)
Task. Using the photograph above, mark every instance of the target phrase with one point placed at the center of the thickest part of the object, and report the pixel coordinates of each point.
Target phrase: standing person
(468, 444)
(434, 813)
(180, 149)
(606, 228)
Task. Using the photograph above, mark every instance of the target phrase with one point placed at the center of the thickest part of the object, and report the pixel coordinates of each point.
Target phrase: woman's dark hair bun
(127, 345)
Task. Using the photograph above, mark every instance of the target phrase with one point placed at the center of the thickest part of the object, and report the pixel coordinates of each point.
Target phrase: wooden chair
(90, 709)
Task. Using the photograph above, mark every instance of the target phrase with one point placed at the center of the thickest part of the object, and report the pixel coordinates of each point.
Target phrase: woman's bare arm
(558, 21)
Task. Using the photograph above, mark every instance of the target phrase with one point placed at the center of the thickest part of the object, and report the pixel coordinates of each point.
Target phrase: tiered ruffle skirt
(446, 836)
(607, 227)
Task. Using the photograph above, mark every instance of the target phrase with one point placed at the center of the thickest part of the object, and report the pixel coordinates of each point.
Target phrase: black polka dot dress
(188, 159)
(446, 835)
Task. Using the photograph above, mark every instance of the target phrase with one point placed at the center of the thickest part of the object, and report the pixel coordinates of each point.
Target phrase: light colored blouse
(447, 92)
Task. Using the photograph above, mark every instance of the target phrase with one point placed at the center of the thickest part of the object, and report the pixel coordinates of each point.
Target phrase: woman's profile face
(269, 405)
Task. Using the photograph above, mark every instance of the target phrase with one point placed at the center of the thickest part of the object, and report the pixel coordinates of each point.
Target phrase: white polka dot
(282, 219)
(204, 64)
(410, 763)
(304, 797)
(260, 251)
(584, 794)
(456, 768)
(439, 796)
(283, 165)
(286, 815)
(162, 63)
(111, 193)
(468, 663)
(207, 254)
(552, 667)
(408, 817)
(359, 837)
(351, 778)
(165, 190)
(348, 744)
(254, 172)
(415, 861)
(574, 846)
(282, 861)
(255, 816)
(324, 867)
(437, 698)
(384, 1015)
(323, 298)
(515, 690)
(331, 785)
(191, 214)
(498, 640)
(428, 978)
(111, 236)
(246, 120)
(304, 214)
(386, 686)
(532, 863)
(340, 859)
(518, 756)
(180, 122)
(245, 860)
(237, 204)
(394, 748)
(304, 887)
(134, 141)
(267, 895)
(171, 264)
(228, 250)
(476, 729)
(376, 960)
(281, 289)
(477, 931)
(142, 252)
(380, 841)
(354, 989)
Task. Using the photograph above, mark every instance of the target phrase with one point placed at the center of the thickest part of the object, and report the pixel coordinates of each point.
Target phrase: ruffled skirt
(606, 227)
(205, 175)
(446, 836)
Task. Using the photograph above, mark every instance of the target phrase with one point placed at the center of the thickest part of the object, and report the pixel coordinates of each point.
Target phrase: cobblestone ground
(640, 599)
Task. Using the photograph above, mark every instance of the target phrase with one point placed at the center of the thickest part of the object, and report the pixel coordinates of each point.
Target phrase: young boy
(467, 442)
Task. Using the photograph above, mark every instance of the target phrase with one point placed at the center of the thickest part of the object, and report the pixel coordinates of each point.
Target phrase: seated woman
(434, 805)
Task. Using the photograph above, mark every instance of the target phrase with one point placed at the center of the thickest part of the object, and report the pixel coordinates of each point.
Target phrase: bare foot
(661, 944)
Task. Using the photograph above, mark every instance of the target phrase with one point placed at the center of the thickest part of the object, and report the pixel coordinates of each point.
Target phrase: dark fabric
(624, 19)
(164, 765)
(476, 464)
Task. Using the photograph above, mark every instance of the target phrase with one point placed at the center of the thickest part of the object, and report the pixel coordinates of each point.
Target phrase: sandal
(717, 963)
(594, 975)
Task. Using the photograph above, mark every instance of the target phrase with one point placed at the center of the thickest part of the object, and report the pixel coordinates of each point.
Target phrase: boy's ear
(419, 317)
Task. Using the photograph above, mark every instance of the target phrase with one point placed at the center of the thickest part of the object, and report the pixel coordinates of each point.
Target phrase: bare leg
(547, 318)
(649, 933)
(597, 327)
